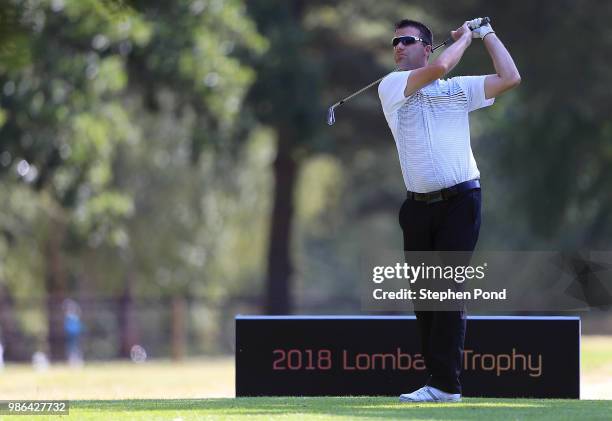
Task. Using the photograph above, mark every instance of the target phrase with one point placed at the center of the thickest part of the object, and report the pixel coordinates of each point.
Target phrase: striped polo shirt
(432, 130)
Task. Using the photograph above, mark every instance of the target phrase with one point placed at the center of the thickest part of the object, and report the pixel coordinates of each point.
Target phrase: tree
(71, 101)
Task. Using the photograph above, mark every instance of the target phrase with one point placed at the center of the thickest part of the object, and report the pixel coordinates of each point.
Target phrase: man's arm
(507, 76)
(441, 65)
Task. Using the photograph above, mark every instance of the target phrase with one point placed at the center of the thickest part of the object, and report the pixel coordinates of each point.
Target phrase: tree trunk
(55, 283)
(11, 337)
(178, 327)
(127, 323)
(278, 299)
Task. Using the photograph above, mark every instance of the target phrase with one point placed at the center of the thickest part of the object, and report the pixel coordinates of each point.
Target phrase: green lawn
(370, 409)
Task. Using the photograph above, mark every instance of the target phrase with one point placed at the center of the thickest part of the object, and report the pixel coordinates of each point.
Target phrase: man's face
(411, 56)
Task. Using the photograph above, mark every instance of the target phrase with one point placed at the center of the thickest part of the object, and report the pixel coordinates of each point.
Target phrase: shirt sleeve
(391, 91)
(473, 86)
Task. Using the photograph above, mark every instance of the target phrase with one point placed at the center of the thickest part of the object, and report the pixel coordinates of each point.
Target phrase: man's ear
(428, 50)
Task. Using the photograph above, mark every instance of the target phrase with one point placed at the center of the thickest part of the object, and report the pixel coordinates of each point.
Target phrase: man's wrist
(488, 33)
(467, 38)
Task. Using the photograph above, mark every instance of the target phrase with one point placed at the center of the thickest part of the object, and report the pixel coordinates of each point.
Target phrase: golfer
(428, 117)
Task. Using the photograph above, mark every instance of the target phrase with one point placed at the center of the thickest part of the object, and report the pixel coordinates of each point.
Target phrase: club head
(331, 116)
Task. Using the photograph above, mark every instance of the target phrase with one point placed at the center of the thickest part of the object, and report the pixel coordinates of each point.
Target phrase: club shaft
(359, 91)
(448, 41)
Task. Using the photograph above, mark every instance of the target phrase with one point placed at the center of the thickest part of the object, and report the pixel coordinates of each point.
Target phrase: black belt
(444, 194)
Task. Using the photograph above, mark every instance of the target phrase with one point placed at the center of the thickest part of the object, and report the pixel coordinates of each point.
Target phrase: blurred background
(165, 166)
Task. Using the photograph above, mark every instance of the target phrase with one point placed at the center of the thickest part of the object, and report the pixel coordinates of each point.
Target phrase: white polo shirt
(432, 130)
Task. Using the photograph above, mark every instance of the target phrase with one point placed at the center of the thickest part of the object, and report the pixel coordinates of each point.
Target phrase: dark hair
(426, 33)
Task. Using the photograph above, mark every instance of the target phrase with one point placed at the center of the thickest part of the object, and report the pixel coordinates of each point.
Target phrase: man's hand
(481, 31)
(462, 31)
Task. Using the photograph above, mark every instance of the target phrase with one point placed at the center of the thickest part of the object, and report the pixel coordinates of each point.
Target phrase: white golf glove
(480, 31)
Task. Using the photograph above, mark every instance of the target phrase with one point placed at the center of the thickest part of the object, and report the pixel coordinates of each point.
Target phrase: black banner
(535, 357)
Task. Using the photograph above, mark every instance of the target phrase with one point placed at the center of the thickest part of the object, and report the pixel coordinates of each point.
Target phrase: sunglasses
(407, 40)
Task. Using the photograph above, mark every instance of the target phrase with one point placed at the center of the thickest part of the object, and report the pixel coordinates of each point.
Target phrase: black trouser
(449, 225)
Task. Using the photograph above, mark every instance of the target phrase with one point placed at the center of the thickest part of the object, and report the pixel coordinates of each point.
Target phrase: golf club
(331, 116)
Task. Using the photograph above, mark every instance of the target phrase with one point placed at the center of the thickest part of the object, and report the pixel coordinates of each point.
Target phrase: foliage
(106, 109)
(125, 138)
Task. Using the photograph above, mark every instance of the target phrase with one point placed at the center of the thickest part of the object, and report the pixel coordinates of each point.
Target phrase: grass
(597, 355)
(194, 378)
(337, 409)
(199, 389)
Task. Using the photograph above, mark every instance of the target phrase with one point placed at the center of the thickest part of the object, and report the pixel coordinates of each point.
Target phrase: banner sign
(505, 356)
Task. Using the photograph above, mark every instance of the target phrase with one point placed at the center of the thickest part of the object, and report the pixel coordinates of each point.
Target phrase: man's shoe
(430, 394)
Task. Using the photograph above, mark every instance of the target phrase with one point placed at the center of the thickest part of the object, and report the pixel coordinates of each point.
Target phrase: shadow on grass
(365, 407)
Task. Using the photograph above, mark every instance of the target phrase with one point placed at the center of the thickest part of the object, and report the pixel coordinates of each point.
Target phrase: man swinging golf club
(428, 118)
